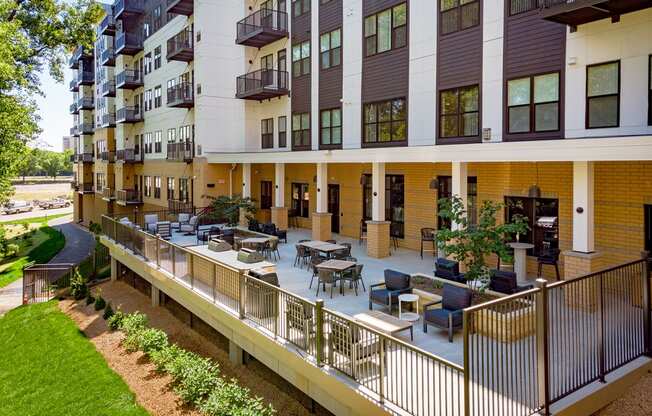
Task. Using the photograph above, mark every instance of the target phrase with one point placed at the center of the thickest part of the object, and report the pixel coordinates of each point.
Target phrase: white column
(322, 187)
(378, 191)
(583, 209)
(246, 180)
(279, 184)
(460, 182)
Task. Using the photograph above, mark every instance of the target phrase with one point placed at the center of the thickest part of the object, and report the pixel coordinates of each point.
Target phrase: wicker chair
(325, 277)
(353, 276)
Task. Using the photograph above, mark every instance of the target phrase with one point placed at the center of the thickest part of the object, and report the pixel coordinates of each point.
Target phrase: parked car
(15, 207)
(54, 203)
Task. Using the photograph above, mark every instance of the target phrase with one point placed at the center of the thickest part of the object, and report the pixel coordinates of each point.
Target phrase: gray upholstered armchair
(449, 316)
(396, 283)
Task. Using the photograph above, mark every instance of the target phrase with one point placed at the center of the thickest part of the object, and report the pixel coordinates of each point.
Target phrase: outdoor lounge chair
(386, 294)
(449, 316)
(506, 282)
(150, 221)
(183, 218)
(352, 343)
(163, 229)
(449, 270)
(190, 227)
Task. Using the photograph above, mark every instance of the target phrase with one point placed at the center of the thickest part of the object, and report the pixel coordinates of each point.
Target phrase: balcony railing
(262, 84)
(73, 108)
(108, 194)
(184, 7)
(129, 79)
(262, 28)
(108, 89)
(108, 120)
(107, 25)
(181, 152)
(578, 12)
(125, 8)
(107, 156)
(77, 54)
(181, 95)
(180, 46)
(85, 77)
(129, 196)
(129, 115)
(84, 157)
(86, 103)
(73, 131)
(86, 188)
(129, 156)
(85, 128)
(128, 43)
(108, 57)
(73, 86)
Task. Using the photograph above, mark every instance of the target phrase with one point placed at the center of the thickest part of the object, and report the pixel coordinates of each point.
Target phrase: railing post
(174, 260)
(647, 330)
(601, 346)
(466, 317)
(319, 331)
(214, 268)
(241, 295)
(158, 249)
(381, 378)
(542, 345)
(191, 262)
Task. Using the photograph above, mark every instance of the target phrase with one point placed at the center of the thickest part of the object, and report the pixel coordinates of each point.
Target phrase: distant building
(67, 143)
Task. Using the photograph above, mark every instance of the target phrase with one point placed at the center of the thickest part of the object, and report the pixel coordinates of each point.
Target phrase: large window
(394, 202)
(458, 112)
(301, 59)
(267, 133)
(282, 131)
(148, 63)
(301, 200)
(157, 187)
(148, 143)
(330, 49)
(300, 7)
(301, 130)
(331, 127)
(265, 194)
(456, 15)
(386, 30)
(157, 57)
(158, 101)
(445, 190)
(148, 186)
(385, 121)
(172, 135)
(148, 100)
(533, 104)
(603, 95)
(185, 134)
(158, 141)
(533, 209)
(183, 189)
(170, 188)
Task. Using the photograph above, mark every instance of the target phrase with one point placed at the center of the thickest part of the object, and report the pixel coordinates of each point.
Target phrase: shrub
(115, 320)
(100, 303)
(131, 341)
(12, 250)
(78, 288)
(152, 339)
(89, 298)
(108, 312)
(134, 322)
(164, 356)
(195, 377)
(232, 399)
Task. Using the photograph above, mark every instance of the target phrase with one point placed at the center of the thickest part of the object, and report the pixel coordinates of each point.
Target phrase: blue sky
(56, 120)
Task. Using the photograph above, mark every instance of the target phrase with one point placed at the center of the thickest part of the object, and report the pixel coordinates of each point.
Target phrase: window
(148, 100)
(184, 134)
(148, 63)
(282, 131)
(183, 189)
(532, 209)
(301, 200)
(301, 130)
(603, 95)
(156, 18)
(533, 104)
(330, 49)
(157, 187)
(158, 101)
(157, 56)
(394, 202)
(148, 142)
(300, 7)
(458, 15)
(148, 186)
(267, 133)
(458, 112)
(445, 190)
(386, 30)
(265, 194)
(301, 59)
(385, 121)
(146, 30)
(522, 6)
(170, 188)
(158, 141)
(331, 127)
(172, 135)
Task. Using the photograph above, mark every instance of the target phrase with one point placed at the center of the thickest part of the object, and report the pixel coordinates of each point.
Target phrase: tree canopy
(35, 36)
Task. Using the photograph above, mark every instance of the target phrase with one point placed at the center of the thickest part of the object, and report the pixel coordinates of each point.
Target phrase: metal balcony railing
(73, 108)
(184, 7)
(129, 156)
(129, 196)
(123, 8)
(84, 157)
(181, 95)
(85, 128)
(107, 25)
(129, 79)
(85, 187)
(73, 86)
(180, 46)
(108, 193)
(107, 156)
(181, 152)
(108, 89)
(262, 28)
(129, 115)
(73, 131)
(128, 43)
(262, 84)
(108, 120)
(86, 103)
(85, 77)
(108, 57)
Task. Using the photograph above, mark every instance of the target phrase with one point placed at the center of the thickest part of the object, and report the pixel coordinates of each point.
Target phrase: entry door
(334, 207)
(267, 70)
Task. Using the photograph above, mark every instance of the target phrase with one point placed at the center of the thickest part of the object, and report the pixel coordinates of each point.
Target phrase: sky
(56, 119)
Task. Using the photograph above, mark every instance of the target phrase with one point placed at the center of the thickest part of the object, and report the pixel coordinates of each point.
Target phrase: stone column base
(321, 226)
(578, 264)
(243, 219)
(378, 239)
(584, 294)
(280, 217)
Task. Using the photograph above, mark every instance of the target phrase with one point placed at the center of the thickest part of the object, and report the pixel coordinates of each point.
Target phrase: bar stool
(549, 257)
(427, 237)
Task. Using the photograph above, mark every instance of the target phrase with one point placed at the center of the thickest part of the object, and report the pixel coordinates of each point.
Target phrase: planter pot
(506, 327)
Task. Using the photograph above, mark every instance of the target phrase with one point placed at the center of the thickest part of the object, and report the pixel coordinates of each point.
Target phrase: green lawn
(35, 220)
(48, 367)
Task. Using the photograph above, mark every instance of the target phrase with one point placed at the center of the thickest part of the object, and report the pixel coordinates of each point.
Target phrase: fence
(40, 281)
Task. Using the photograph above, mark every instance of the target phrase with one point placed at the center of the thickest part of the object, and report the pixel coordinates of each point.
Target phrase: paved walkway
(79, 244)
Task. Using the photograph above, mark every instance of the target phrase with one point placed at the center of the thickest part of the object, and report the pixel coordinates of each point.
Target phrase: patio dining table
(322, 246)
(338, 267)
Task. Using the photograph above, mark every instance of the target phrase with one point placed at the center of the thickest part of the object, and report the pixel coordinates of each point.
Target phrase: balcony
(85, 78)
(262, 84)
(85, 188)
(129, 156)
(85, 128)
(180, 46)
(129, 115)
(578, 12)
(108, 120)
(128, 44)
(108, 57)
(181, 96)
(108, 89)
(107, 26)
(129, 197)
(129, 79)
(184, 7)
(86, 103)
(107, 156)
(126, 8)
(108, 194)
(262, 28)
(77, 54)
(181, 152)
(73, 131)
(73, 108)
(83, 157)
(73, 86)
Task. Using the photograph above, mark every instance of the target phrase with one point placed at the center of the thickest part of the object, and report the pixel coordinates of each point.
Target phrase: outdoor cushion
(151, 218)
(439, 317)
(382, 296)
(503, 281)
(395, 280)
(193, 220)
(455, 298)
(184, 217)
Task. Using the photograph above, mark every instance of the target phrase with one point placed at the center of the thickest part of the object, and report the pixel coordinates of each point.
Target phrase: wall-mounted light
(579, 210)
(434, 184)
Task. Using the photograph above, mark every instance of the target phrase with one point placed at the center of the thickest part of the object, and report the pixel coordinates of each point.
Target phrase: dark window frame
(331, 52)
(330, 129)
(266, 193)
(304, 7)
(459, 10)
(649, 91)
(394, 31)
(303, 134)
(157, 187)
(459, 113)
(377, 123)
(267, 133)
(168, 189)
(303, 62)
(532, 105)
(397, 227)
(587, 98)
(282, 133)
(300, 205)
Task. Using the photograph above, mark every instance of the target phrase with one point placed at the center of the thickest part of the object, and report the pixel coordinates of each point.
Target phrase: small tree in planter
(226, 208)
(471, 244)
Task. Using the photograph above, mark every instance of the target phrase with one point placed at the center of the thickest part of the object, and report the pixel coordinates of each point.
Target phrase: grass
(48, 367)
(35, 220)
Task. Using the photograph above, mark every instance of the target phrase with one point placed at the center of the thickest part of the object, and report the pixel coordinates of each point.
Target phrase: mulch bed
(637, 401)
(152, 390)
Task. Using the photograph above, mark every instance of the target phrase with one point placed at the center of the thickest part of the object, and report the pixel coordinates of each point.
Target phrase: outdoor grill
(547, 222)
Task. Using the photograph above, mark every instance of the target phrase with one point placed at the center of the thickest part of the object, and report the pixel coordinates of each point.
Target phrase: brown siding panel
(330, 16)
(330, 80)
(300, 93)
(385, 75)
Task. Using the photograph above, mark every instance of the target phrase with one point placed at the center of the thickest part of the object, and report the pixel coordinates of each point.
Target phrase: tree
(226, 208)
(35, 35)
(67, 164)
(52, 163)
(471, 244)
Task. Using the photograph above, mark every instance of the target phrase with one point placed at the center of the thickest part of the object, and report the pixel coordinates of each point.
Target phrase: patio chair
(386, 294)
(549, 257)
(428, 237)
(302, 255)
(190, 227)
(150, 221)
(363, 231)
(449, 270)
(163, 229)
(282, 235)
(325, 277)
(182, 218)
(449, 316)
(350, 258)
(353, 276)
(504, 281)
(357, 347)
(271, 249)
(315, 260)
(298, 316)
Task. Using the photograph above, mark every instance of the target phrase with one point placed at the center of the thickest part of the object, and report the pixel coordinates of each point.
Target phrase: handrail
(263, 18)
(594, 274)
